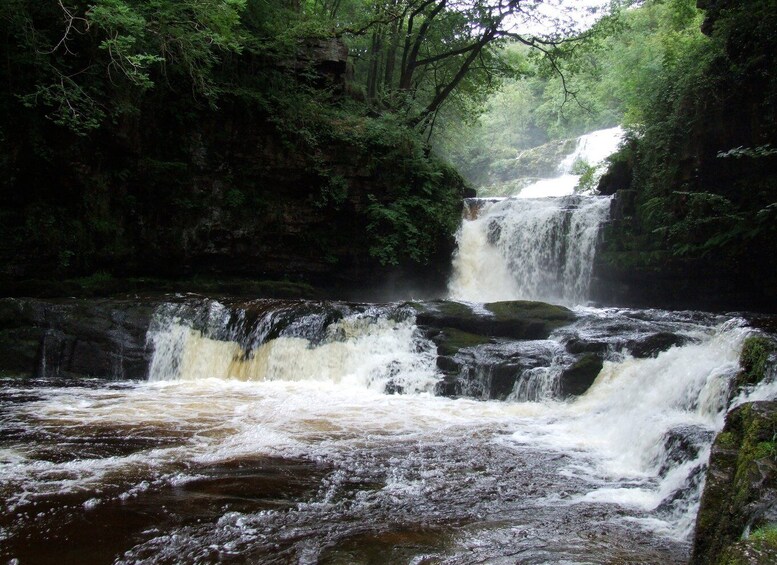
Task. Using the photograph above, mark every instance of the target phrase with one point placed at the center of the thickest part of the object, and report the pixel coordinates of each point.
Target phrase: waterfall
(326, 432)
(532, 249)
(539, 245)
(372, 347)
(593, 148)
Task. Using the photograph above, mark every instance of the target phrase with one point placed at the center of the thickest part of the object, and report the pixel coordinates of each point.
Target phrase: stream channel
(336, 433)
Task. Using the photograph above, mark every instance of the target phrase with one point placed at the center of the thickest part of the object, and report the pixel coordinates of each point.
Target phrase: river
(298, 432)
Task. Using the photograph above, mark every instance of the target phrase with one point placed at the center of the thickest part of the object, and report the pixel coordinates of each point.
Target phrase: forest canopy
(87, 61)
(126, 119)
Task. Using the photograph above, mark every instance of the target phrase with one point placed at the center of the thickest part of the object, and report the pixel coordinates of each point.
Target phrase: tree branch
(70, 23)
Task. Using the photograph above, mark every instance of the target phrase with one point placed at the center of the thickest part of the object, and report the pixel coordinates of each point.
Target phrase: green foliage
(587, 174)
(766, 534)
(86, 62)
(692, 222)
(753, 152)
(754, 360)
(701, 109)
(419, 212)
(234, 198)
(628, 67)
(334, 192)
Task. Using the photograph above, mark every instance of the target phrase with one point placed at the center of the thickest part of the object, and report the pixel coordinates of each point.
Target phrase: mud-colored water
(205, 463)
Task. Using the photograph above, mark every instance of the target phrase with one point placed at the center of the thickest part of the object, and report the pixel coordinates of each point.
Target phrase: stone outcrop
(488, 354)
(737, 519)
(516, 319)
(74, 338)
(740, 495)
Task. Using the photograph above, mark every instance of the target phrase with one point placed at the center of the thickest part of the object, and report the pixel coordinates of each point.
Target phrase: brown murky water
(222, 458)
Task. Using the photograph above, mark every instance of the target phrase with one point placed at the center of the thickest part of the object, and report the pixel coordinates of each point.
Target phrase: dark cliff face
(232, 191)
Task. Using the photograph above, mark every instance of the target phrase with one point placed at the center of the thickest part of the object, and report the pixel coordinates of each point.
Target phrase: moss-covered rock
(740, 494)
(450, 340)
(754, 360)
(473, 368)
(749, 552)
(579, 377)
(554, 315)
(516, 320)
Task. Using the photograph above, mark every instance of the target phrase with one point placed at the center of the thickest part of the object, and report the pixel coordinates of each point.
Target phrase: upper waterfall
(539, 245)
(529, 249)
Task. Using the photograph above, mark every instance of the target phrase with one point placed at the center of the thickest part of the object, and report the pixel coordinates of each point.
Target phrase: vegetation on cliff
(237, 137)
(702, 160)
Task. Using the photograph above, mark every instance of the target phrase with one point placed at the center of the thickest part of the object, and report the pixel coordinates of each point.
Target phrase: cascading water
(359, 347)
(323, 432)
(266, 435)
(591, 149)
(540, 245)
(529, 250)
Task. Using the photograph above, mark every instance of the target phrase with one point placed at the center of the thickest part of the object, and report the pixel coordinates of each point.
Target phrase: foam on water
(217, 403)
(521, 474)
(621, 424)
(522, 249)
(367, 351)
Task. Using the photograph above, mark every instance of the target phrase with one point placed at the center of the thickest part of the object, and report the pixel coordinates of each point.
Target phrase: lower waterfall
(272, 432)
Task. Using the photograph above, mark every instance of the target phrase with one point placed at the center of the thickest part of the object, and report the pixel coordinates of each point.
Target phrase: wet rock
(752, 551)
(758, 358)
(448, 365)
(491, 382)
(74, 338)
(577, 345)
(495, 371)
(537, 162)
(654, 344)
(472, 346)
(448, 386)
(685, 495)
(578, 378)
(683, 444)
(740, 494)
(617, 178)
(450, 340)
(516, 319)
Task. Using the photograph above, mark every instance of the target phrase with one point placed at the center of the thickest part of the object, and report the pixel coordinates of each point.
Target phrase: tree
(86, 60)
(412, 55)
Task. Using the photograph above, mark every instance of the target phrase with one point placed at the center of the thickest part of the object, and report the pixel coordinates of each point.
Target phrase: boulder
(654, 344)
(578, 378)
(740, 495)
(515, 319)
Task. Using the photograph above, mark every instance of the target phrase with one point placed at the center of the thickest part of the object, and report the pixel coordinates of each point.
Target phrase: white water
(540, 245)
(520, 249)
(361, 350)
(292, 398)
(592, 149)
